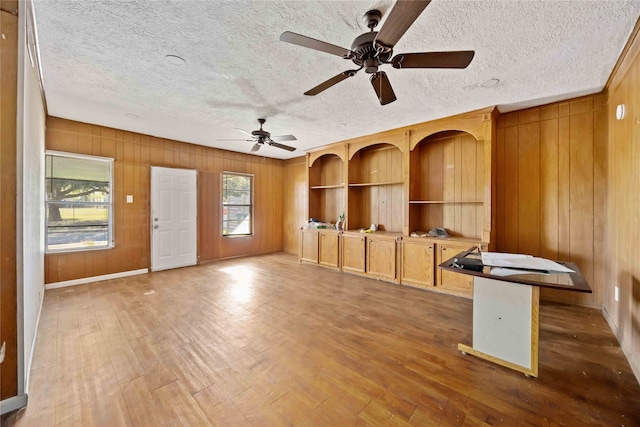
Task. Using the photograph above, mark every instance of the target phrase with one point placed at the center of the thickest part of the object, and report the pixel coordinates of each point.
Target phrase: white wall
(30, 203)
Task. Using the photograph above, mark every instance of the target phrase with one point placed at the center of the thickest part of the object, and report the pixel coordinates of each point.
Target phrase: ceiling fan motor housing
(261, 134)
(366, 53)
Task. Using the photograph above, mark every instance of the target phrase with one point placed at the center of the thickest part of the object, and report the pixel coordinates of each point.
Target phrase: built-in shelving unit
(326, 185)
(447, 184)
(410, 179)
(427, 202)
(375, 187)
(376, 184)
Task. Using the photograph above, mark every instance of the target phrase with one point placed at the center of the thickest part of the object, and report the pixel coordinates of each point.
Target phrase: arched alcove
(326, 188)
(376, 187)
(447, 176)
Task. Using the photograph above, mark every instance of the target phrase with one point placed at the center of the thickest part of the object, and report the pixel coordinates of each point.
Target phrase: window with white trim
(78, 202)
(237, 204)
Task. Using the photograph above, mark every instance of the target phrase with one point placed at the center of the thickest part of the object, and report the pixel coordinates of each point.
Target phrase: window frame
(110, 212)
(225, 205)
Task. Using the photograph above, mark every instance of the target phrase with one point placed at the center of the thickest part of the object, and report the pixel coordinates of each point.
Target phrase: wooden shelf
(433, 202)
(375, 184)
(324, 187)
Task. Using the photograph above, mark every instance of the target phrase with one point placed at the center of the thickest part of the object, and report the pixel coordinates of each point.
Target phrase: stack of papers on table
(523, 262)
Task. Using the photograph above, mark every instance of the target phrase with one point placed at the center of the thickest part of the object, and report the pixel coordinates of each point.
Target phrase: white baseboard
(33, 346)
(13, 404)
(95, 279)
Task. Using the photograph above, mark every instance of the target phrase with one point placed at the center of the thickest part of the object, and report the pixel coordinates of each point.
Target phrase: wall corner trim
(92, 279)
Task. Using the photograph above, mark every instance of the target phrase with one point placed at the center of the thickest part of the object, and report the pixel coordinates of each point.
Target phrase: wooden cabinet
(381, 256)
(459, 284)
(353, 252)
(308, 246)
(417, 262)
(329, 249)
(320, 246)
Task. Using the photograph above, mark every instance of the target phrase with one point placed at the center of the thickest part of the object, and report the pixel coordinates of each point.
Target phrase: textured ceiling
(104, 61)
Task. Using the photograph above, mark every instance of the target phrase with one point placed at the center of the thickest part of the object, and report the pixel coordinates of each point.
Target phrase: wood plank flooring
(266, 341)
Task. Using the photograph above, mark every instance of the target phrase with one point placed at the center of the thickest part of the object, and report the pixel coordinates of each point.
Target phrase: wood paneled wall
(621, 253)
(296, 201)
(8, 271)
(551, 183)
(134, 154)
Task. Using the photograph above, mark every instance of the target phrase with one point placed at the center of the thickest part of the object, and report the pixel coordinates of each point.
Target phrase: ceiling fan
(375, 48)
(261, 137)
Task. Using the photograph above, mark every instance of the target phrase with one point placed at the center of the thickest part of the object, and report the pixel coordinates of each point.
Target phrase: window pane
(77, 226)
(237, 200)
(78, 202)
(237, 182)
(237, 226)
(77, 191)
(77, 169)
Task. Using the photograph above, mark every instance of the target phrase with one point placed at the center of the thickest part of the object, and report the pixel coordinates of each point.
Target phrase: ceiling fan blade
(230, 140)
(455, 59)
(284, 147)
(255, 147)
(332, 81)
(383, 88)
(244, 131)
(284, 138)
(305, 41)
(403, 14)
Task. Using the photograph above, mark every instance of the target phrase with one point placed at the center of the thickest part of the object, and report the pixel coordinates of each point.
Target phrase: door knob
(155, 226)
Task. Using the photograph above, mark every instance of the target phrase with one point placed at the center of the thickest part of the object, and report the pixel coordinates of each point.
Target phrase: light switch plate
(129, 198)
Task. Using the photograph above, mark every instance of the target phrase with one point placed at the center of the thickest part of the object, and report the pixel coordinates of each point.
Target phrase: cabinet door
(328, 245)
(459, 283)
(309, 246)
(381, 257)
(417, 264)
(353, 253)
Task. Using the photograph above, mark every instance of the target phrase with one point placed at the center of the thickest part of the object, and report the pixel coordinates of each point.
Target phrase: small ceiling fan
(261, 137)
(375, 48)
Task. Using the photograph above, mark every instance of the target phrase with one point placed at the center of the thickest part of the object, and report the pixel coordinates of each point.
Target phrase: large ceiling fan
(260, 137)
(375, 48)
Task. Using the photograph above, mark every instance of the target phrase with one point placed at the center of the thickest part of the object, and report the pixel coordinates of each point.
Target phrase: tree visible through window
(237, 204)
(78, 202)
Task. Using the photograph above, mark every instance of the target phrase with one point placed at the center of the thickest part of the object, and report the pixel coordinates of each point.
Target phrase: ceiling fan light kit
(373, 49)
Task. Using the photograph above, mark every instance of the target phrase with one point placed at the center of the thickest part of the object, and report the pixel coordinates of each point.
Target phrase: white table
(506, 312)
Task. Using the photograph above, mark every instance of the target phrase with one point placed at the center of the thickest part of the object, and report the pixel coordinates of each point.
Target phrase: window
(78, 202)
(237, 204)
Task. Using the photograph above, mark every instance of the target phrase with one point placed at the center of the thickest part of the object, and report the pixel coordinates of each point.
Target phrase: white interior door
(173, 218)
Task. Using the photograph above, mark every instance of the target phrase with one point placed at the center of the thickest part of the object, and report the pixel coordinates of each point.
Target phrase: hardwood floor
(266, 341)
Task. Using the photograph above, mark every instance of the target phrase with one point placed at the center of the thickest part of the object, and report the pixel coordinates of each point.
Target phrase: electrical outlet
(616, 293)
